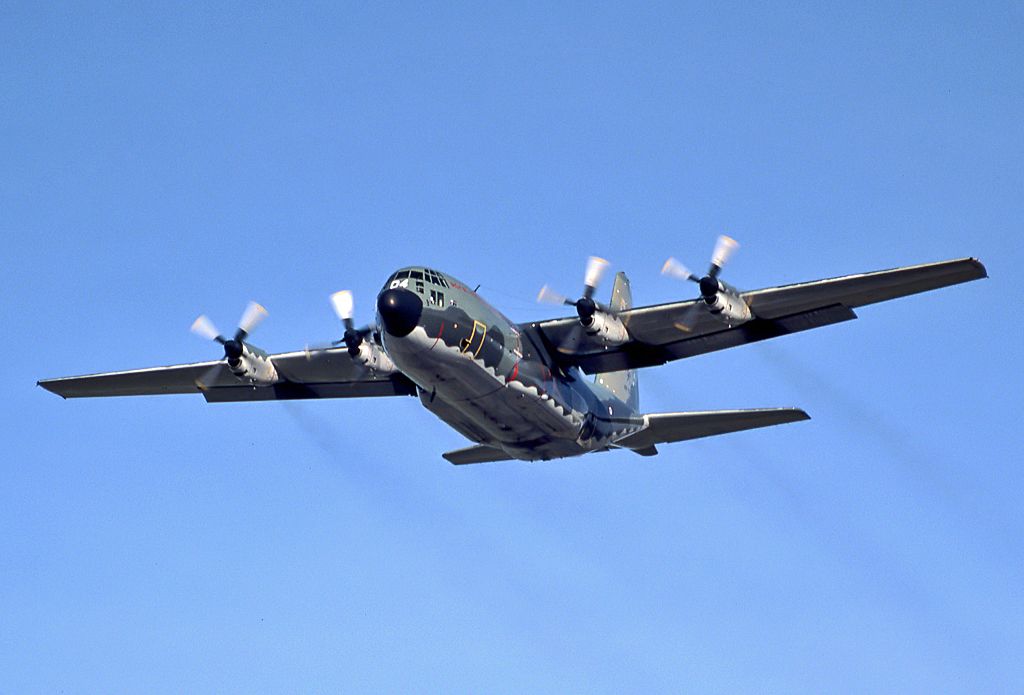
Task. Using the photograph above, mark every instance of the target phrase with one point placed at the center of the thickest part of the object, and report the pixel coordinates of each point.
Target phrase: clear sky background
(160, 160)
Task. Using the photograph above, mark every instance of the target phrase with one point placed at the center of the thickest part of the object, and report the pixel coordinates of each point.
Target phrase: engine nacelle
(374, 358)
(254, 367)
(729, 308)
(606, 329)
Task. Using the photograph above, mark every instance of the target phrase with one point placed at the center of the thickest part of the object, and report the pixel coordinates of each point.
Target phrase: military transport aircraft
(519, 391)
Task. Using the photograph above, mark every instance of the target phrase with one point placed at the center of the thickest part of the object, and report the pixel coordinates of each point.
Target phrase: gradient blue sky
(158, 160)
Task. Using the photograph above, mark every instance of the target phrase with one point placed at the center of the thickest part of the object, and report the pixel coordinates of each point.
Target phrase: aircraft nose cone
(399, 311)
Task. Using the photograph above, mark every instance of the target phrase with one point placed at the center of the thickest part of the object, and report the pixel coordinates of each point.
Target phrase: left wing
(659, 334)
(323, 374)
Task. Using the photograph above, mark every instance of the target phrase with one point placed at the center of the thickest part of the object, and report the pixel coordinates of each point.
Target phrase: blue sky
(162, 160)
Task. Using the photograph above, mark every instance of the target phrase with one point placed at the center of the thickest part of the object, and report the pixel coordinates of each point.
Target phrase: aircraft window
(402, 275)
(416, 275)
(419, 286)
(443, 282)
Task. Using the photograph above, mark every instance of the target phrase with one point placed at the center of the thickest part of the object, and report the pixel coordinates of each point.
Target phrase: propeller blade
(343, 304)
(209, 378)
(688, 320)
(204, 327)
(314, 349)
(571, 344)
(596, 268)
(724, 249)
(254, 314)
(674, 268)
(549, 296)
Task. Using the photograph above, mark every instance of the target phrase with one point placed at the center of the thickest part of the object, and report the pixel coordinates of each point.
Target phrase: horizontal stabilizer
(663, 428)
(476, 454)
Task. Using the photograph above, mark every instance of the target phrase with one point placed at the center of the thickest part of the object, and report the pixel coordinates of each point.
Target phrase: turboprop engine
(244, 361)
(253, 366)
(606, 328)
(719, 299)
(723, 301)
(600, 322)
(366, 352)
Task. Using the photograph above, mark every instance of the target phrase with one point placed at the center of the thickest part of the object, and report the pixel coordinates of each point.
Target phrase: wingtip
(794, 414)
(46, 385)
(980, 270)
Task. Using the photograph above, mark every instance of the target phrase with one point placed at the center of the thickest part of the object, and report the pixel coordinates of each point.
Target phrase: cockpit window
(436, 278)
(418, 278)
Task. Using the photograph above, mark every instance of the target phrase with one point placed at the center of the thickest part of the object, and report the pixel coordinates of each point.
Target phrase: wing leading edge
(656, 336)
(326, 374)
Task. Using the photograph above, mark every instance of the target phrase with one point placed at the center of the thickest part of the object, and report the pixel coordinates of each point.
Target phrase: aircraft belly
(484, 405)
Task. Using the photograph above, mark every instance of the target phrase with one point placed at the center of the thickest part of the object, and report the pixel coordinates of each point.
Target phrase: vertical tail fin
(622, 384)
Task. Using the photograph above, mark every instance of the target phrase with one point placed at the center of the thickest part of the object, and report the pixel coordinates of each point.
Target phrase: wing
(323, 374)
(657, 334)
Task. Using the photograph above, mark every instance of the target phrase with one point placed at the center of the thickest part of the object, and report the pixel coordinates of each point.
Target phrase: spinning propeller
(586, 306)
(254, 314)
(709, 285)
(344, 306)
(234, 348)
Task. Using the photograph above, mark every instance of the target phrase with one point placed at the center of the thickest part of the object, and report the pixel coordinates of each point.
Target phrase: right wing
(323, 374)
(657, 334)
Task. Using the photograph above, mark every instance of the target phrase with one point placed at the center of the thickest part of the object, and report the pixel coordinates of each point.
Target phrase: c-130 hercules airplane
(518, 391)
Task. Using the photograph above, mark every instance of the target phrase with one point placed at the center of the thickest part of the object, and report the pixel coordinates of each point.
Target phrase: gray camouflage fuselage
(491, 381)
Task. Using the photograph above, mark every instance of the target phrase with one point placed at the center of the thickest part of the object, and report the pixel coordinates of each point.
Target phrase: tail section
(622, 384)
